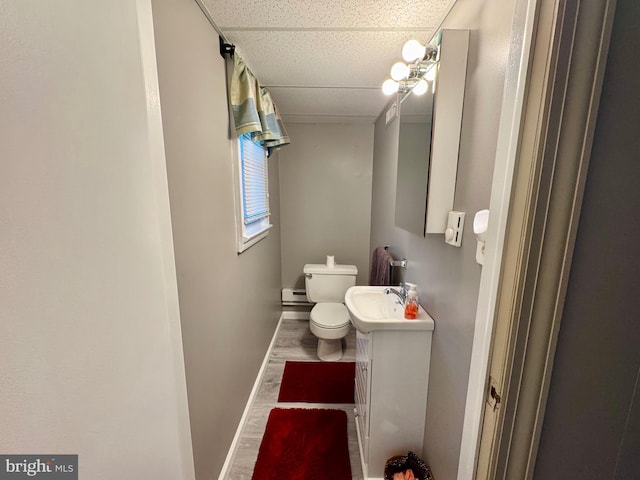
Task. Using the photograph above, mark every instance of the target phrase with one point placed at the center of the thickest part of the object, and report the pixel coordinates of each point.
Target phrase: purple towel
(380, 267)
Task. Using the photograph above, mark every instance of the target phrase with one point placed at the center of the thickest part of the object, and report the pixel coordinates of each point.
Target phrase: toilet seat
(330, 315)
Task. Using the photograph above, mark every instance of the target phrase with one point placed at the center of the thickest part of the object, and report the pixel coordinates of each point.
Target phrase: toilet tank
(328, 284)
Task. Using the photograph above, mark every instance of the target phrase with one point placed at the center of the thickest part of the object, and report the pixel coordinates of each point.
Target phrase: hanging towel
(380, 267)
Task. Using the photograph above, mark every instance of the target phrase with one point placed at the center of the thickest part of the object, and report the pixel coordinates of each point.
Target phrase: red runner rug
(318, 382)
(304, 444)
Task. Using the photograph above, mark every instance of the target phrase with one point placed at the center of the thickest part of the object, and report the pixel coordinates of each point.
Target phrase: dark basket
(402, 463)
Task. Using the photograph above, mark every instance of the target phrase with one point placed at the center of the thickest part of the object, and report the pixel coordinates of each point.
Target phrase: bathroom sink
(371, 309)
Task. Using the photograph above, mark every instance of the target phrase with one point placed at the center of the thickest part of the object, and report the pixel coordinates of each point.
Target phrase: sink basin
(371, 309)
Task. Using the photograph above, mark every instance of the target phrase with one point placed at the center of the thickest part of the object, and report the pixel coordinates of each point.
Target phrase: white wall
(90, 347)
(325, 197)
(448, 278)
(229, 303)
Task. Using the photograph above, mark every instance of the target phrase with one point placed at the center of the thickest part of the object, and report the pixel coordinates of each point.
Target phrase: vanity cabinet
(392, 377)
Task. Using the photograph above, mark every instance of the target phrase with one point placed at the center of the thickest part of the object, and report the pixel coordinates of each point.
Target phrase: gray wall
(592, 423)
(229, 303)
(325, 197)
(90, 349)
(448, 278)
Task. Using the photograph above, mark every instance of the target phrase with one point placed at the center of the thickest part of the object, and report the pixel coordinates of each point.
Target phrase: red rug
(318, 382)
(304, 444)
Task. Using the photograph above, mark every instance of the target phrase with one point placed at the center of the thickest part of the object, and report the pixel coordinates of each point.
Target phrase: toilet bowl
(330, 322)
(329, 319)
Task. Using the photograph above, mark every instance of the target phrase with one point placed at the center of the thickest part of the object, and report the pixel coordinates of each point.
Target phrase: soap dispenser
(411, 303)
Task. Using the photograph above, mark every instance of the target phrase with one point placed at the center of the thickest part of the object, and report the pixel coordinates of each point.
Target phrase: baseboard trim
(295, 315)
(251, 399)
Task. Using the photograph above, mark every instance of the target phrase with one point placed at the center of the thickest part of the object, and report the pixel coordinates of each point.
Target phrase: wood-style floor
(294, 341)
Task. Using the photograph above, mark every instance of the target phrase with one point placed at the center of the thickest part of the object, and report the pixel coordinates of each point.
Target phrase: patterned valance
(253, 109)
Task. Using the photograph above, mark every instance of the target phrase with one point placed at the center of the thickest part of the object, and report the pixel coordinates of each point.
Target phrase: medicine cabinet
(429, 142)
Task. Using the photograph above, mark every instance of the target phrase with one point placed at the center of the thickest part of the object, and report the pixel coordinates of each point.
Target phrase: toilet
(329, 320)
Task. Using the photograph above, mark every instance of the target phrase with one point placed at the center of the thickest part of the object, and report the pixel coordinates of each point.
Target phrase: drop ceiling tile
(345, 14)
(360, 59)
(329, 101)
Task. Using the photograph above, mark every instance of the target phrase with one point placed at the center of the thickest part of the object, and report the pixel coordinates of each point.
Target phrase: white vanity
(392, 377)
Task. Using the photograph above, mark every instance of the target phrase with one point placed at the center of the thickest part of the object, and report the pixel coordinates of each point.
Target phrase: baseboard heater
(293, 296)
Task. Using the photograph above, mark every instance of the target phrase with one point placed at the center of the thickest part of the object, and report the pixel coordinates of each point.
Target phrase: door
(564, 84)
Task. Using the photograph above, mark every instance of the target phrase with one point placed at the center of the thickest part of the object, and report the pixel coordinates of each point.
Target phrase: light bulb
(389, 87)
(400, 71)
(420, 88)
(413, 50)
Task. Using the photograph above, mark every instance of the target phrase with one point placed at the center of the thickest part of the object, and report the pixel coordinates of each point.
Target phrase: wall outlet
(453, 233)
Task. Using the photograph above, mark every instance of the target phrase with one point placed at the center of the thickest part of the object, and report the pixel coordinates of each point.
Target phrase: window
(253, 193)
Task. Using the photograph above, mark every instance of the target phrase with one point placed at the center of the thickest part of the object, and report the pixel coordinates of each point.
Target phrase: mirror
(429, 140)
(414, 151)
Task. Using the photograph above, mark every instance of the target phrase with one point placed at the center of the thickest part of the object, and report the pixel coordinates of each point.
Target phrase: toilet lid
(330, 315)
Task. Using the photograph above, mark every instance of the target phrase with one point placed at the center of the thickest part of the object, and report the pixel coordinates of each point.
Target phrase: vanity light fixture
(402, 71)
(414, 77)
(405, 78)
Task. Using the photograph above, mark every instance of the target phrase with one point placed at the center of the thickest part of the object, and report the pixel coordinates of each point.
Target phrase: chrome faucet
(401, 294)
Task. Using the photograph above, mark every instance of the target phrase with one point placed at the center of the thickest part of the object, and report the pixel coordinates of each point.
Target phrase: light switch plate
(453, 232)
(392, 113)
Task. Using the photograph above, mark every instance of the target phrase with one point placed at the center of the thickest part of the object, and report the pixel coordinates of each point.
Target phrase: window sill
(247, 242)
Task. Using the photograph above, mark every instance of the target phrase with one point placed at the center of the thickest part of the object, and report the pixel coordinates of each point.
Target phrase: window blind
(255, 186)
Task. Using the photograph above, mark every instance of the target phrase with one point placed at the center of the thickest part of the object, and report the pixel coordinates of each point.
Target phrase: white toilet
(330, 321)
